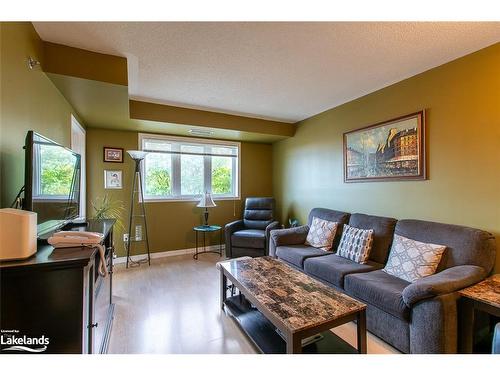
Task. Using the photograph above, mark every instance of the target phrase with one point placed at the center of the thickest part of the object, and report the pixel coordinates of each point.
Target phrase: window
(179, 168)
(53, 171)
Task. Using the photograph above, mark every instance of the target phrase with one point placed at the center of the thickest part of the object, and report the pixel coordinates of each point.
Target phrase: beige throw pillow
(321, 233)
(411, 260)
(356, 244)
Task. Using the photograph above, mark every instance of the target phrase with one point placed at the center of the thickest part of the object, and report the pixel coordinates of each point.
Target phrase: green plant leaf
(106, 208)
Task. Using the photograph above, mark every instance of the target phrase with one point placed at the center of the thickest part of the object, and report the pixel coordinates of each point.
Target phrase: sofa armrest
(289, 236)
(447, 281)
(273, 226)
(433, 325)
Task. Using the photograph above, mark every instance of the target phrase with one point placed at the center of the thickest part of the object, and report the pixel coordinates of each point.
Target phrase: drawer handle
(93, 325)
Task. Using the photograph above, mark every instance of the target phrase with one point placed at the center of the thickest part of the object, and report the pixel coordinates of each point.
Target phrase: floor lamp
(138, 157)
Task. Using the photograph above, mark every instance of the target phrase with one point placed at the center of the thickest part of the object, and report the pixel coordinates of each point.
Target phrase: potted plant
(106, 208)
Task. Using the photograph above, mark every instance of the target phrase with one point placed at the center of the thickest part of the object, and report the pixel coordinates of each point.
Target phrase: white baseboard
(171, 253)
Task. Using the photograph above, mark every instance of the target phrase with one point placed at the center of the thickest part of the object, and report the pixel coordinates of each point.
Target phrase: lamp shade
(206, 201)
(136, 154)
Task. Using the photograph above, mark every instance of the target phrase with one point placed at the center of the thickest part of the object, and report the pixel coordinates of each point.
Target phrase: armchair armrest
(229, 229)
(233, 226)
(272, 226)
(447, 281)
(289, 236)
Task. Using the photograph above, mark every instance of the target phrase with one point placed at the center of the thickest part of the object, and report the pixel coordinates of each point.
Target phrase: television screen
(52, 182)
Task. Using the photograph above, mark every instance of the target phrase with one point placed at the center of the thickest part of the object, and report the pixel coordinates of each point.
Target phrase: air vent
(201, 132)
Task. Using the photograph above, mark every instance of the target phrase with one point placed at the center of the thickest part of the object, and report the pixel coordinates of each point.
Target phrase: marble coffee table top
(487, 291)
(297, 300)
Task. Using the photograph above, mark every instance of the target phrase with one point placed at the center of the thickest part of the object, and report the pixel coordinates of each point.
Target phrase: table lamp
(205, 202)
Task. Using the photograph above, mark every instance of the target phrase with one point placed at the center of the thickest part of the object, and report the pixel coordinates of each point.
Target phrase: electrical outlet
(138, 232)
(125, 237)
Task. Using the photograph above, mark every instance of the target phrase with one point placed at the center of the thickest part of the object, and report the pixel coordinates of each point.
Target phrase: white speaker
(17, 234)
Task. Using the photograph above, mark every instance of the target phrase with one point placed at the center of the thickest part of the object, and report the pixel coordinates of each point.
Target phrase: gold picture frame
(392, 150)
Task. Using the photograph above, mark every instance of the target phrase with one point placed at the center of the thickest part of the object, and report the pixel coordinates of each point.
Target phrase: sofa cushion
(411, 260)
(321, 234)
(252, 238)
(355, 244)
(297, 254)
(464, 245)
(331, 215)
(383, 231)
(380, 290)
(333, 268)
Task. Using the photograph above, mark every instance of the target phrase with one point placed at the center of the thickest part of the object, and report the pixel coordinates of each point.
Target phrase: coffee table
(281, 306)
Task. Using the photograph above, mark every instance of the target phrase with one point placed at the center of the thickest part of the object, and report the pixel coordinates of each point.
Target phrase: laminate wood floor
(172, 307)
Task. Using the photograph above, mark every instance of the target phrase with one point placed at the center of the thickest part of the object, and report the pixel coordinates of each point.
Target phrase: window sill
(167, 200)
(50, 199)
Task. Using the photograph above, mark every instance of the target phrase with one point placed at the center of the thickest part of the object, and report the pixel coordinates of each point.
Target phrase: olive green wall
(462, 99)
(29, 101)
(170, 223)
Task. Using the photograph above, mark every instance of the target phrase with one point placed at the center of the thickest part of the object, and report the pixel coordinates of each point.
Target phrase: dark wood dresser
(59, 293)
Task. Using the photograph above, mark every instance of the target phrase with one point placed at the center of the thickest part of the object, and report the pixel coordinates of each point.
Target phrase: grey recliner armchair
(250, 236)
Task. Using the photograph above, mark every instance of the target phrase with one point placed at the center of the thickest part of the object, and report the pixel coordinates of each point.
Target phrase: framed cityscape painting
(389, 150)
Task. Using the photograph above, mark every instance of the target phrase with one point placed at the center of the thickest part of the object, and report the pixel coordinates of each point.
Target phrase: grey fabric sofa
(419, 317)
(250, 236)
(495, 347)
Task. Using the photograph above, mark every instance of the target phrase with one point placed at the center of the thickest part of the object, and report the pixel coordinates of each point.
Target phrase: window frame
(207, 168)
(37, 182)
(79, 145)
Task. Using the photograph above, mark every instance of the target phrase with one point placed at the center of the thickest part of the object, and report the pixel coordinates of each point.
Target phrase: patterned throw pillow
(411, 260)
(356, 244)
(321, 233)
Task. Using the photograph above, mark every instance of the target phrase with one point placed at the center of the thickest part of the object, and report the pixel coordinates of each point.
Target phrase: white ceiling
(283, 71)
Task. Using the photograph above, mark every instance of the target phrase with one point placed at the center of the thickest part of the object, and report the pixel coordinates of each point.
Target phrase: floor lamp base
(137, 183)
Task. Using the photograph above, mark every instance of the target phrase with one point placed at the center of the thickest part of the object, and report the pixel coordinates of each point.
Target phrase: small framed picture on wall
(113, 155)
(112, 179)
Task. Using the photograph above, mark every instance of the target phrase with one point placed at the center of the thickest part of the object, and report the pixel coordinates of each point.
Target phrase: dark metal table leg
(205, 245)
(220, 242)
(223, 289)
(195, 256)
(466, 326)
(293, 344)
(361, 328)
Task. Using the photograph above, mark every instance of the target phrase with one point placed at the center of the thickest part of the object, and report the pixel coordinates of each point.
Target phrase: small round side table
(207, 229)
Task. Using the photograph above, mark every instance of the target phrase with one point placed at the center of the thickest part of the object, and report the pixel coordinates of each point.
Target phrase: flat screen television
(51, 183)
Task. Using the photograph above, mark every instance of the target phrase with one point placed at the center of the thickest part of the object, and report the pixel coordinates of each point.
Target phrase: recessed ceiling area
(106, 106)
(284, 71)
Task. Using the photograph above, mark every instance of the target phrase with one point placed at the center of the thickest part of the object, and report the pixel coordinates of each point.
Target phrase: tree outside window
(178, 169)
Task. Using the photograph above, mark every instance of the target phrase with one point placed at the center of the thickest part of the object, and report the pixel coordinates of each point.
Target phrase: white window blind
(181, 168)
